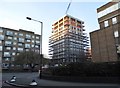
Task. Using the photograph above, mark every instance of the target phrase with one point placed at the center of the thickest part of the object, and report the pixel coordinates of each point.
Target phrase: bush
(85, 70)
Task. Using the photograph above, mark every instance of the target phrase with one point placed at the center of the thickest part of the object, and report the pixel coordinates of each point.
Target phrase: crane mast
(68, 7)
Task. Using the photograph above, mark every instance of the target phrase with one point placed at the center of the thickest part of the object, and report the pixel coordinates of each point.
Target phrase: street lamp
(40, 74)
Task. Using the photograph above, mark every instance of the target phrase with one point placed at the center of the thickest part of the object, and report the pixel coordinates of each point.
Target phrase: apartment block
(12, 42)
(105, 42)
(68, 41)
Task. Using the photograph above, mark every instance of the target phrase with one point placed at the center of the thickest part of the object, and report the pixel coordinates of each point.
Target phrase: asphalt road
(26, 79)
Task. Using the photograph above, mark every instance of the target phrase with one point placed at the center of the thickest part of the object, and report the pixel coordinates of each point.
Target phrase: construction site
(68, 41)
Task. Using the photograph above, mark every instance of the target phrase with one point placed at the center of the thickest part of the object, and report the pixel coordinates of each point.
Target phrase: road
(26, 79)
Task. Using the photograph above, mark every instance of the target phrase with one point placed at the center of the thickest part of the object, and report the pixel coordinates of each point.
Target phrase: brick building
(105, 42)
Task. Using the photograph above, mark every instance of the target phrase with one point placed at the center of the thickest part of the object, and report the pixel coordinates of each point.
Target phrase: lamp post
(41, 56)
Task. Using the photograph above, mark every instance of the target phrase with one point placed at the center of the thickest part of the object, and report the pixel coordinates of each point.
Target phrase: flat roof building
(105, 42)
(12, 42)
(68, 41)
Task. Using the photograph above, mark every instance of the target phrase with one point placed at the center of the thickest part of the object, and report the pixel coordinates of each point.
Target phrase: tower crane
(68, 7)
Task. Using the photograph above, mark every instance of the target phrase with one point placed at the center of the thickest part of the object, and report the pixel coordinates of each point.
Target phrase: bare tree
(29, 58)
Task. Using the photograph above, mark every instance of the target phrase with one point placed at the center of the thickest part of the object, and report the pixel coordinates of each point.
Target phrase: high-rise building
(88, 54)
(105, 42)
(12, 42)
(68, 41)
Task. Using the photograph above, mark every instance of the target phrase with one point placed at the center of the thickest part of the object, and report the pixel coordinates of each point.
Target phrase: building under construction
(68, 42)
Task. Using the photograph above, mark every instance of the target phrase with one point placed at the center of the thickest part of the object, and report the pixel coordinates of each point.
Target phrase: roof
(68, 16)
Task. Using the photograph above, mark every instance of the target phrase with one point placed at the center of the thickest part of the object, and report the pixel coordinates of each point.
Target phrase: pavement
(24, 79)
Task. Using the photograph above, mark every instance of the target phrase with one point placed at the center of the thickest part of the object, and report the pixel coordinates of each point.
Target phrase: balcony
(9, 33)
(8, 44)
(27, 47)
(66, 23)
(21, 41)
(28, 36)
(78, 26)
(37, 43)
(7, 55)
(83, 29)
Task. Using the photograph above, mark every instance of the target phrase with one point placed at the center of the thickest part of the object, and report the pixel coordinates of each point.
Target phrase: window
(20, 34)
(14, 48)
(1, 48)
(1, 30)
(37, 42)
(9, 33)
(27, 45)
(20, 49)
(32, 41)
(13, 59)
(8, 42)
(9, 37)
(27, 50)
(1, 37)
(8, 48)
(28, 36)
(15, 33)
(15, 38)
(18, 53)
(20, 44)
(114, 20)
(106, 23)
(6, 53)
(32, 45)
(13, 53)
(6, 59)
(37, 37)
(21, 39)
(116, 34)
(61, 28)
(14, 43)
(36, 46)
(28, 40)
(33, 36)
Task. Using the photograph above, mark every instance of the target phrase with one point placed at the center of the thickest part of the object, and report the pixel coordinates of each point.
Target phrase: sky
(13, 15)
